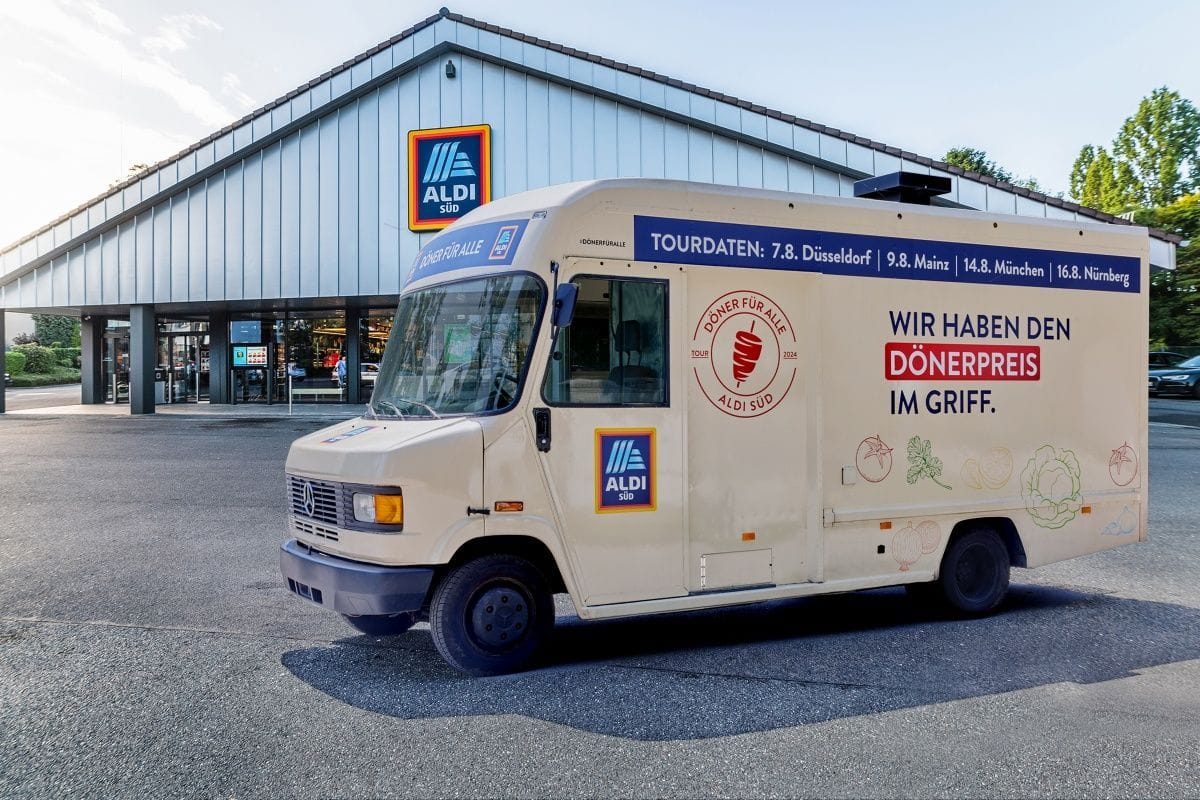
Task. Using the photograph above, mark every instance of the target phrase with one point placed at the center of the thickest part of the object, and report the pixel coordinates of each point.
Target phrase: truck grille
(312, 529)
(324, 505)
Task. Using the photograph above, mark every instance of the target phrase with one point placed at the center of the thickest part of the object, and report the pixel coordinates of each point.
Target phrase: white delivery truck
(659, 396)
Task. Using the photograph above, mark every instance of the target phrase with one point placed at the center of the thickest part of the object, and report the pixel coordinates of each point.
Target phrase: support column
(3, 389)
(218, 358)
(353, 357)
(143, 353)
(91, 360)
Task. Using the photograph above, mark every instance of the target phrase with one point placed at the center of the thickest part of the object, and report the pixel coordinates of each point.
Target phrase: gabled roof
(244, 134)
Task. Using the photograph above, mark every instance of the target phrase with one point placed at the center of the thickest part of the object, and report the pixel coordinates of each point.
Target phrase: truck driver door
(615, 464)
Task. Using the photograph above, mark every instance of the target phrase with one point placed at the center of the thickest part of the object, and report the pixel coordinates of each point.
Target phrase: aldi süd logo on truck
(449, 174)
(625, 469)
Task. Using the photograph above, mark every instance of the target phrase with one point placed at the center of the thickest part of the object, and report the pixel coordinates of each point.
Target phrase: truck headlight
(380, 509)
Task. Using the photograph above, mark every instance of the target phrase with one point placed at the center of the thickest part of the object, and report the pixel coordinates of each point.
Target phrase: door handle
(541, 429)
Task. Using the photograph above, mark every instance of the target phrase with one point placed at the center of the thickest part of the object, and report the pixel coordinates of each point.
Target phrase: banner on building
(449, 174)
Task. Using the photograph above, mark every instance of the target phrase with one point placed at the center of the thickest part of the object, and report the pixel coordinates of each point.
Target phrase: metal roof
(347, 68)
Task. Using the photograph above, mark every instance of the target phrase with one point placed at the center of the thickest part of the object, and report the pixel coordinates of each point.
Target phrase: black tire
(382, 624)
(492, 615)
(974, 573)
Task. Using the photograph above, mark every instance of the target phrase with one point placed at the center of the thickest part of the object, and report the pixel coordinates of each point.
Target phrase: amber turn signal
(509, 505)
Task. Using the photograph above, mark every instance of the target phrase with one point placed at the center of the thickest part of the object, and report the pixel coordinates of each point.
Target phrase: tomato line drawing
(873, 460)
(1123, 465)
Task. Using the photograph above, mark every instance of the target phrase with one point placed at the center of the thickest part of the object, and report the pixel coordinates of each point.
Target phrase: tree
(1175, 295)
(1161, 145)
(1155, 158)
(134, 169)
(1097, 181)
(973, 160)
(49, 329)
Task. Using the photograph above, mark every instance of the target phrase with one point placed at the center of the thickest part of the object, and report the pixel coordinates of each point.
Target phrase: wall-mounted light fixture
(450, 71)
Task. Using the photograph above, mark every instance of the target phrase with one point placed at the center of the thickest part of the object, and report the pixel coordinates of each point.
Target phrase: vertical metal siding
(391, 205)
(364, 278)
(232, 267)
(324, 211)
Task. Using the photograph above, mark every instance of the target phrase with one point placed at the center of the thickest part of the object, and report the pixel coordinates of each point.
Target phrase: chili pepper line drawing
(747, 349)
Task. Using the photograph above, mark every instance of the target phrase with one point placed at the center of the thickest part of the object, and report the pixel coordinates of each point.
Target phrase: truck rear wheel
(974, 574)
(381, 624)
(491, 615)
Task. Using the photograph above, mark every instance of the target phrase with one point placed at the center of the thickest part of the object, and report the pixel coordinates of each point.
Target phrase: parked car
(1161, 359)
(7, 379)
(1183, 378)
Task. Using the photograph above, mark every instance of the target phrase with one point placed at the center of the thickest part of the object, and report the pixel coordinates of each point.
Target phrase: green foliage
(37, 358)
(59, 375)
(52, 330)
(1155, 158)
(973, 160)
(1175, 296)
(24, 338)
(1161, 145)
(1098, 181)
(68, 357)
(14, 362)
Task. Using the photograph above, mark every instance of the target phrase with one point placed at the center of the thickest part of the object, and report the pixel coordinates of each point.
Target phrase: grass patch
(60, 375)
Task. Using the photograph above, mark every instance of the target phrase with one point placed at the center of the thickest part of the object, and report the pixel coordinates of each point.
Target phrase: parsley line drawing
(1123, 465)
(922, 463)
(1052, 487)
(873, 459)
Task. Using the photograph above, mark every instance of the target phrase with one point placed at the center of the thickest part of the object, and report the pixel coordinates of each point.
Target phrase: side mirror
(564, 304)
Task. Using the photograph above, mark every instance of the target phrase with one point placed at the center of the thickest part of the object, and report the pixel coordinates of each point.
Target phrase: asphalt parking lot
(148, 648)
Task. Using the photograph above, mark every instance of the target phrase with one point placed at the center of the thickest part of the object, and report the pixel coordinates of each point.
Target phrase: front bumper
(351, 587)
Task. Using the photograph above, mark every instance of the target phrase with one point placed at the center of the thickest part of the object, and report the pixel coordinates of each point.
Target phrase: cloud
(103, 17)
(90, 33)
(177, 31)
(231, 87)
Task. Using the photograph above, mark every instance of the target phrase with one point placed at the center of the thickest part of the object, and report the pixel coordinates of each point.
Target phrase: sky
(90, 87)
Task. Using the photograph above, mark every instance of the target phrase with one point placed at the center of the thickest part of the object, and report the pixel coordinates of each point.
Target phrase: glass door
(184, 358)
(116, 366)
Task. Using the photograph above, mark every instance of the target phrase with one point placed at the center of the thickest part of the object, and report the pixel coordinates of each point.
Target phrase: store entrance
(115, 363)
(183, 363)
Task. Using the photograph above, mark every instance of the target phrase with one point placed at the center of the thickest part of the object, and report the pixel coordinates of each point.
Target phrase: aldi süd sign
(449, 174)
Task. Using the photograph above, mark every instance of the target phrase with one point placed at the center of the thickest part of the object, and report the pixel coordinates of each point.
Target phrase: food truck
(657, 396)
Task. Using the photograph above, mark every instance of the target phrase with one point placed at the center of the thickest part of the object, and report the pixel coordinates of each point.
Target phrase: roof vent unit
(903, 187)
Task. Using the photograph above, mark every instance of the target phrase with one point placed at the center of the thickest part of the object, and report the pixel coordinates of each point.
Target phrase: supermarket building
(242, 268)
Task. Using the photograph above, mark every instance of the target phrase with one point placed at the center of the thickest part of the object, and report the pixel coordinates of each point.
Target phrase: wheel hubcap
(500, 617)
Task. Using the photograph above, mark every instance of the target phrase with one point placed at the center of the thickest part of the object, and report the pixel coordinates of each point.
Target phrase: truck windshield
(459, 348)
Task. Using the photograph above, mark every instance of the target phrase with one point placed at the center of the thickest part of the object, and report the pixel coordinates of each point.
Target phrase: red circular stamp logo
(744, 353)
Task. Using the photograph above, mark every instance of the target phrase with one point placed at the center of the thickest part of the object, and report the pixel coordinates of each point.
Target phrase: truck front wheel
(974, 574)
(491, 615)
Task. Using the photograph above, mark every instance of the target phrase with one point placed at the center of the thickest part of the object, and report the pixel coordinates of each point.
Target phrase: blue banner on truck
(683, 241)
(489, 244)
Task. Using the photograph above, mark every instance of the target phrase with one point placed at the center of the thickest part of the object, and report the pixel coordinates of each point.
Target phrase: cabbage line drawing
(1051, 487)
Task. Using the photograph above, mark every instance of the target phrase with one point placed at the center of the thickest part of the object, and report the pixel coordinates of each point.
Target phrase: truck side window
(614, 353)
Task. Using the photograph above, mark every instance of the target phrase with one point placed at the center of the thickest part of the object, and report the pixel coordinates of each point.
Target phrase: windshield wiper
(418, 404)
(395, 409)
(387, 404)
